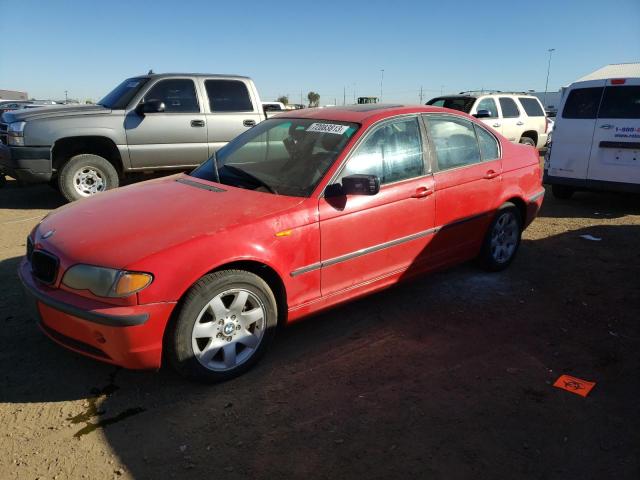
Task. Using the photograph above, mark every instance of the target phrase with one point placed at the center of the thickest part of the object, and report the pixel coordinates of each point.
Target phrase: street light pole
(546, 84)
(66, 100)
(381, 80)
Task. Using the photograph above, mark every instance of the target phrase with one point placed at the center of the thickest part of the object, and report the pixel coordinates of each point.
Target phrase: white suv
(517, 116)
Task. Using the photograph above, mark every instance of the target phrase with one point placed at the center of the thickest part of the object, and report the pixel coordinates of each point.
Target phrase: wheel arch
(521, 205)
(65, 148)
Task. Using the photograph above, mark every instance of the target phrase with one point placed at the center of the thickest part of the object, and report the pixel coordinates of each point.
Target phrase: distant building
(550, 101)
(13, 95)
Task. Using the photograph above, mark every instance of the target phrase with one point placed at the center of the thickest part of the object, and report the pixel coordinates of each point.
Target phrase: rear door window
(454, 142)
(582, 103)
(531, 107)
(620, 102)
(488, 104)
(228, 96)
(489, 149)
(509, 108)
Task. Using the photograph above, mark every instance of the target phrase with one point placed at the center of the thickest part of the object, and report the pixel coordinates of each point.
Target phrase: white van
(596, 137)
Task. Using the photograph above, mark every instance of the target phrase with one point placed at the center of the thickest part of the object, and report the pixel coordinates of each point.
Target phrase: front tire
(85, 175)
(225, 324)
(528, 141)
(502, 239)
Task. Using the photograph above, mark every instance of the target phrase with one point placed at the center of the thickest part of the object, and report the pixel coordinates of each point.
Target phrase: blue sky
(87, 47)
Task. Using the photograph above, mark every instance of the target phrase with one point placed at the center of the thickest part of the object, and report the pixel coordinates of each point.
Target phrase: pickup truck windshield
(284, 156)
(119, 97)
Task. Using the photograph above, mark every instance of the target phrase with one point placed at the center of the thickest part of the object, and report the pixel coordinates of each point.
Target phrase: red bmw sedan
(306, 210)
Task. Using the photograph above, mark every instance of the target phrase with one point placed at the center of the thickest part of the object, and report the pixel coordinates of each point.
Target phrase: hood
(122, 226)
(27, 114)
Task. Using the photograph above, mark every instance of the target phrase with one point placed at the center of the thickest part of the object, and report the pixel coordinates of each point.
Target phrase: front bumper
(128, 336)
(27, 164)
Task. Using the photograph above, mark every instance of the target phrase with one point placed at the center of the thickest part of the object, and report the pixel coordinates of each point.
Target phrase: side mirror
(482, 114)
(360, 185)
(152, 106)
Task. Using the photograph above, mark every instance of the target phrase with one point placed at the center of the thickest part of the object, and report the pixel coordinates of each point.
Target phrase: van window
(228, 96)
(490, 105)
(620, 102)
(582, 103)
(531, 106)
(509, 108)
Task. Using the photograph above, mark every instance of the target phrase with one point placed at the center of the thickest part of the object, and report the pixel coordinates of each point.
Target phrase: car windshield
(119, 97)
(284, 156)
(462, 104)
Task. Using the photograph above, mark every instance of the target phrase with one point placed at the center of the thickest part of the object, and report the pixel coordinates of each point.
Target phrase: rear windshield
(531, 106)
(620, 102)
(582, 103)
(462, 104)
(119, 97)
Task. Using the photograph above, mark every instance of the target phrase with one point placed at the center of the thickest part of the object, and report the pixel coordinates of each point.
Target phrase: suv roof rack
(488, 91)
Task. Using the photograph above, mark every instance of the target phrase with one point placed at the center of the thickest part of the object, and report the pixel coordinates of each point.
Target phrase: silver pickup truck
(147, 123)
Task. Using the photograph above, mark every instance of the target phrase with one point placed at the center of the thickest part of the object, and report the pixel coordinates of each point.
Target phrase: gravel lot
(447, 377)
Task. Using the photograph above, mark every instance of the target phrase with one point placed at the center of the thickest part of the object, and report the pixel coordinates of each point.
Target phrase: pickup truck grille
(44, 266)
(3, 133)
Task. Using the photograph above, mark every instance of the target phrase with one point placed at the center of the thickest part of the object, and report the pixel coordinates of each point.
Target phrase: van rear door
(615, 154)
(573, 130)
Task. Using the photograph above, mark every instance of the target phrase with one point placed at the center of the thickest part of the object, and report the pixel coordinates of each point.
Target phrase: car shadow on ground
(40, 196)
(596, 205)
(446, 377)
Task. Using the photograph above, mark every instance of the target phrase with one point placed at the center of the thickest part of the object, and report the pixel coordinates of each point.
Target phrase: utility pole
(546, 84)
(381, 80)
(441, 89)
(344, 95)
(301, 102)
(354, 93)
(420, 94)
(66, 98)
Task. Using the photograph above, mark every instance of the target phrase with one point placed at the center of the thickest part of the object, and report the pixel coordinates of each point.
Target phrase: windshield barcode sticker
(328, 128)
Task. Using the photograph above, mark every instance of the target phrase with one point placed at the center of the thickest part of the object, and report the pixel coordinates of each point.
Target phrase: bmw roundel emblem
(48, 234)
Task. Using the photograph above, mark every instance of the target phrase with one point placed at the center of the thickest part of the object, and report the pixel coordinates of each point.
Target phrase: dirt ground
(447, 377)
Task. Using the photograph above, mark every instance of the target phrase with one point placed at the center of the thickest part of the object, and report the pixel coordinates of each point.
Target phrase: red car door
(364, 238)
(467, 182)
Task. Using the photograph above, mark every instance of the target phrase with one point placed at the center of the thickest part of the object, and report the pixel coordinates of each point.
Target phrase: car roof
(362, 113)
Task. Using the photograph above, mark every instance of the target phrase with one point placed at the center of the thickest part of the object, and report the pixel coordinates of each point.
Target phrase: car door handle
(197, 123)
(422, 192)
(491, 174)
(249, 123)
(496, 125)
(606, 126)
(519, 123)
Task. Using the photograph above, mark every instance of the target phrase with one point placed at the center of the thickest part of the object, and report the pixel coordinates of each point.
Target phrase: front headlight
(106, 282)
(15, 134)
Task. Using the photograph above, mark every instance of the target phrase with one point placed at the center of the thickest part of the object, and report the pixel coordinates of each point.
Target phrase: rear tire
(562, 192)
(85, 175)
(502, 239)
(225, 324)
(528, 141)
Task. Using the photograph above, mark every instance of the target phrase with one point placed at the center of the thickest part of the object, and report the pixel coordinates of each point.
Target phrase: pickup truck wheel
(224, 326)
(502, 239)
(85, 175)
(528, 141)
